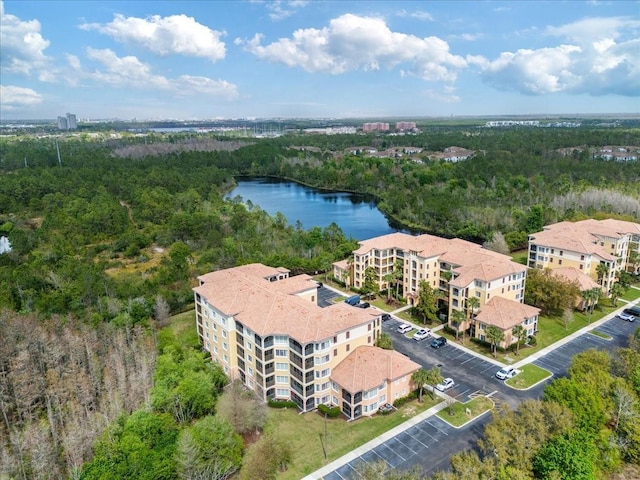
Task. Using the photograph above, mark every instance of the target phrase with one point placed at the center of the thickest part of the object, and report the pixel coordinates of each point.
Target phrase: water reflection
(356, 215)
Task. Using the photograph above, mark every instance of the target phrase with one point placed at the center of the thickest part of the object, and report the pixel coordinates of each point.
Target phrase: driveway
(429, 443)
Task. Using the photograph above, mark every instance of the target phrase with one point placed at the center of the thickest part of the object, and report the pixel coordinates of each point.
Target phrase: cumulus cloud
(601, 56)
(22, 44)
(175, 34)
(14, 98)
(129, 71)
(352, 42)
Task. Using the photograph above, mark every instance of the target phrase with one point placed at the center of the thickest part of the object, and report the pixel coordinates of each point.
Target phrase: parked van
(353, 300)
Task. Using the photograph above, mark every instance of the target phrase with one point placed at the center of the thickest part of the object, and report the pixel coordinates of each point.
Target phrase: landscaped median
(458, 414)
(529, 376)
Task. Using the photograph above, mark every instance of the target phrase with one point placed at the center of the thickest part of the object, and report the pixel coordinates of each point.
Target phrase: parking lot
(404, 450)
(326, 296)
(430, 443)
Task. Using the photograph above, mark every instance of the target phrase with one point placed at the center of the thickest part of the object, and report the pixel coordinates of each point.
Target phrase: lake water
(356, 215)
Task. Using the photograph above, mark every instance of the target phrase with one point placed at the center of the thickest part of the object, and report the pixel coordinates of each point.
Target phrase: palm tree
(420, 378)
(388, 279)
(398, 271)
(603, 270)
(519, 332)
(473, 303)
(617, 290)
(458, 318)
(496, 336)
(434, 378)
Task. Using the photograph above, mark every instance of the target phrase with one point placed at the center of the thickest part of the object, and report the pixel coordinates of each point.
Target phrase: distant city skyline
(193, 60)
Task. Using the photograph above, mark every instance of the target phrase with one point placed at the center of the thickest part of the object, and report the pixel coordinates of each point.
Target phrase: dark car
(386, 408)
(363, 305)
(635, 311)
(439, 342)
(385, 317)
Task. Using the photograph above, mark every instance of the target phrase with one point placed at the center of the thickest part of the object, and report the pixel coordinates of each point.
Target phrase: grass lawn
(600, 334)
(529, 375)
(304, 433)
(456, 415)
(550, 330)
(631, 294)
(520, 256)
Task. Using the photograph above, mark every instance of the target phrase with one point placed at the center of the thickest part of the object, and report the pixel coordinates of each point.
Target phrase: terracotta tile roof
(571, 274)
(504, 313)
(486, 272)
(367, 367)
(272, 308)
(570, 236)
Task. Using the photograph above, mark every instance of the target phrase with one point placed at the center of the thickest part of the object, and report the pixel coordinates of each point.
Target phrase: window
(348, 347)
(281, 340)
(249, 359)
(248, 346)
(335, 352)
(369, 339)
(250, 372)
(224, 346)
(348, 335)
(322, 359)
(282, 379)
(282, 392)
(369, 327)
(477, 294)
(224, 333)
(560, 262)
(323, 373)
(215, 349)
(282, 366)
(281, 352)
(225, 358)
(215, 338)
(580, 266)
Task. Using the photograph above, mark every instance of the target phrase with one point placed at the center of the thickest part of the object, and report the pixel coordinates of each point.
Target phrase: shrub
(331, 412)
(402, 400)
(282, 403)
(532, 340)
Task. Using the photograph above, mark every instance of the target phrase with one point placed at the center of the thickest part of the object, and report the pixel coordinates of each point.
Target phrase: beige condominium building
(599, 249)
(265, 327)
(460, 269)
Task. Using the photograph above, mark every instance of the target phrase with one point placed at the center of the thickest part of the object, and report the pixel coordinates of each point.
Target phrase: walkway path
(358, 452)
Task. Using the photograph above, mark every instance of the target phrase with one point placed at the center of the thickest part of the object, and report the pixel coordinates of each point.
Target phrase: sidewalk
(577, 333)
(357, 452)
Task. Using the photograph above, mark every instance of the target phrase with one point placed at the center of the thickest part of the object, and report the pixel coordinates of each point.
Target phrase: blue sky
(317, 59)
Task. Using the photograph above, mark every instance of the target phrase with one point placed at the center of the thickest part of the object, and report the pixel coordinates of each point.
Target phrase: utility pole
(58, 150)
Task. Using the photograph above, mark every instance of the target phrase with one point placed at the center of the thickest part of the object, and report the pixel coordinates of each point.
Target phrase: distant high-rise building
(72, 124)
(405, 125)
(68, 122)
(371, 127)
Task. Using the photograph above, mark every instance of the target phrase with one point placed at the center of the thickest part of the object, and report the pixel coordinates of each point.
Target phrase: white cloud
(419, 15)
(446, 95)
(279, 10)
(599, 60)
(13, 98)
(22, 44)
(129, 71)
(175, 34)
(351, 43)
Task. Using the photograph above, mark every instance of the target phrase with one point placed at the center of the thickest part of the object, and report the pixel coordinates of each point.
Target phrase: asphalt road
(430, 443)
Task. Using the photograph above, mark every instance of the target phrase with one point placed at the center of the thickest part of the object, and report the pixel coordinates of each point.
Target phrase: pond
(357, 215)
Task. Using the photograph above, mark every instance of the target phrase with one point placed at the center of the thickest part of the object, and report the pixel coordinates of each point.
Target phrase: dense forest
(108, 236)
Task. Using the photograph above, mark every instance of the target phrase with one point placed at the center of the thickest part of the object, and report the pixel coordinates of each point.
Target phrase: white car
(404, 328)
(422, 334)
(626, 316)
(506, 372)
(446, 384)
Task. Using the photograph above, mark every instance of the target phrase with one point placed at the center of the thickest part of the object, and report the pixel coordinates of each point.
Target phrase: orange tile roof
(504, 313)
(367, 367)
(272, 308)
(570, 236)
(572, 275)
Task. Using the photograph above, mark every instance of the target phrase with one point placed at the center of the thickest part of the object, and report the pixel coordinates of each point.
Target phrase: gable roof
(368, 367)
(570, 274)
